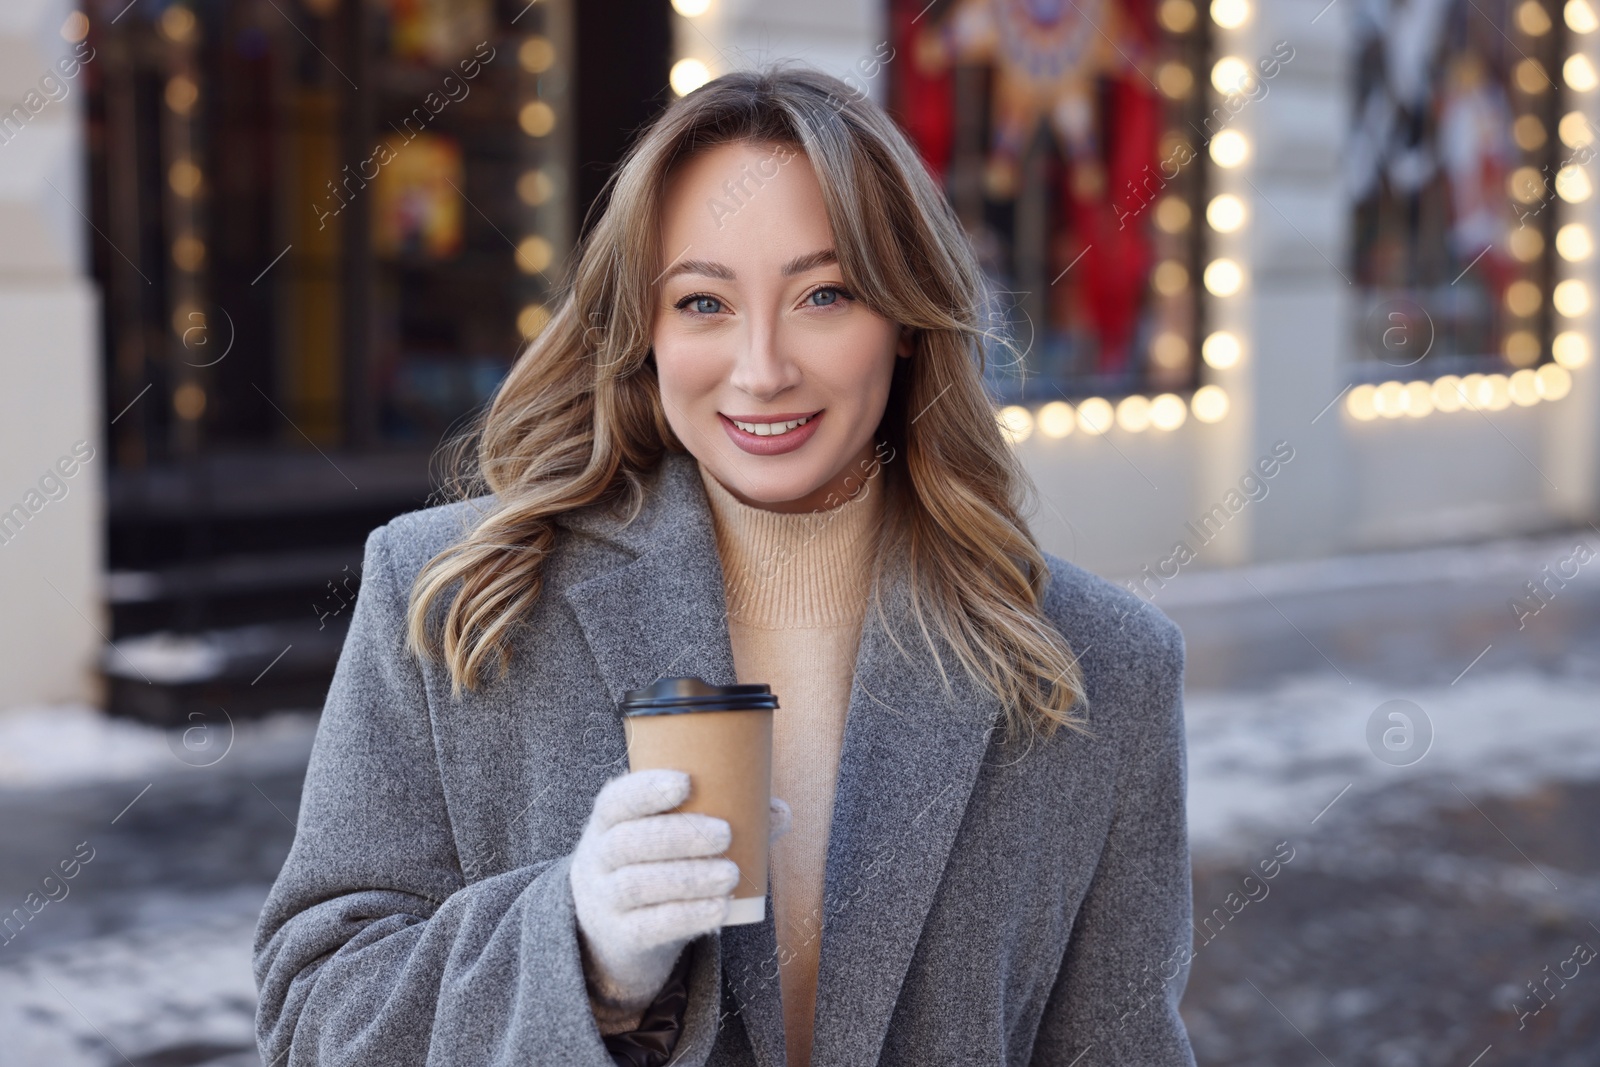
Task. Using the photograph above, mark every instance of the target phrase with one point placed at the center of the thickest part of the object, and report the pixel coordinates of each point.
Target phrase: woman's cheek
(688, 368)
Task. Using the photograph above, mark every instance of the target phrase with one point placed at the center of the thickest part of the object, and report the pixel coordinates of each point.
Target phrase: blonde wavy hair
(578, 420)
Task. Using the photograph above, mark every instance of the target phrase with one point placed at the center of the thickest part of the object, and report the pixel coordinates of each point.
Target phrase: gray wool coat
(983, 903)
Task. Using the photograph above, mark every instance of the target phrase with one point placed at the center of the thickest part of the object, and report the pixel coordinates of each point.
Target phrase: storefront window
(1071, 138)
(325, 221)
(1462, 156)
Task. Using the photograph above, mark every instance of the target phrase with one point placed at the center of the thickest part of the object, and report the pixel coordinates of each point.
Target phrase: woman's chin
(769, 488)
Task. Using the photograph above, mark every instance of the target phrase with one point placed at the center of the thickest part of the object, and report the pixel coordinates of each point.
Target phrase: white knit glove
(645, 884)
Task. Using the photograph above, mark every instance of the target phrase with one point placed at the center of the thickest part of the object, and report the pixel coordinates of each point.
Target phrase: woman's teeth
(770, 429)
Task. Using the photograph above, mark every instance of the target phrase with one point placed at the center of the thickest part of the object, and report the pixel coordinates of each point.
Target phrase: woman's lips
(776, 444)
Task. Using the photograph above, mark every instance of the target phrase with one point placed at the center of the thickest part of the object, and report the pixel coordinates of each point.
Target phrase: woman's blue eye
(706, 305)
(831, 294)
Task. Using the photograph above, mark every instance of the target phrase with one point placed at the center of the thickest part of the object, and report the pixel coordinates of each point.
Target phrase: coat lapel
(910, 757)
(662, 613)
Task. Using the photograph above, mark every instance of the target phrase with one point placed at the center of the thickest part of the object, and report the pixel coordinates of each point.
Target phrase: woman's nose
(761, 368)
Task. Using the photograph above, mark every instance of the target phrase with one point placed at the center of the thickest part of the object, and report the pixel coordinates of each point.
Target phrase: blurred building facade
(292, 245)
(1280, 280)
(1351, 245)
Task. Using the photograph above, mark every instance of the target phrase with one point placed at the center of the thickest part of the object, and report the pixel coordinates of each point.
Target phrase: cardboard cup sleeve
(721, 736)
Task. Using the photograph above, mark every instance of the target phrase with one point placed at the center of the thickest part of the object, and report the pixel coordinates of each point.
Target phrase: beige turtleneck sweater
(797, 588)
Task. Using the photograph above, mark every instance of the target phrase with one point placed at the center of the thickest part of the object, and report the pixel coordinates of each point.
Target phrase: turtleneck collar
(783, 570)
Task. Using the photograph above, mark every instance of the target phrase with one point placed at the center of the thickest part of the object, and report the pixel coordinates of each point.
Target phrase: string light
(1572, 184)
(1170, 350)
(1525, 185)
(1574, 243)
(177, 24)
(1230, 75)
(1229, 148)
(1528, 132)
(1522, 348)
(1447, 394)
(1524, 389)
(1526, 244)
(1176, 16)
(1230, 14)
(1418, 399)
(1498, 392)
(1221, 350)
(188, 252)
(688, 75)
(537, 55)
(1579, 73)
(1553, 381)
(1475, 392)
(1174, 79)
(1172, 214)
(181, 93)
(1574, 130)
(1168, 411)
(1532, 19)
(1530, 76)
(1016, 422)
(1570, 349)
(1133, 413)
(1094, 415)
(184, 177)
(532, 319)
(537, 118)
(1056, 419)
(1523, 298)
(1169, 278)
(535, 187)
(534, 254)
(1362, 402)
(1224, 277)
(1493, 392)
(1571, 298)
(1209, 403)
(186, 316)
(1390, 400)
(189, 401)
(1226, 213)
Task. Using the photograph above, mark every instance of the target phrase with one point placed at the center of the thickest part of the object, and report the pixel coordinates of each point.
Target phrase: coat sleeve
(1115, 1000)
(372, 946)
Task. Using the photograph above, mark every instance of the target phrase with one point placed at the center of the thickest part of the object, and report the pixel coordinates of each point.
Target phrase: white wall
(50, 568)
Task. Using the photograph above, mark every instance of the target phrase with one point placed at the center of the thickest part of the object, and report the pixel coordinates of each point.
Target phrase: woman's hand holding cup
(645, 884)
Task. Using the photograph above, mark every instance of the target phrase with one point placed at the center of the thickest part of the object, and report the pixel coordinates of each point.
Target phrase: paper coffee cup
(721, 736)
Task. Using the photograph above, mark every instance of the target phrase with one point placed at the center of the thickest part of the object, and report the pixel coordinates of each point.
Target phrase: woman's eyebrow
(711, 269)
(809, 261)
(699, 266)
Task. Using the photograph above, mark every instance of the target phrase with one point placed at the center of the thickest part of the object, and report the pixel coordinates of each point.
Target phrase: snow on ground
(134, 971)
(76, 744)
(1507, 562)
(105, 1000)
(1261, 762)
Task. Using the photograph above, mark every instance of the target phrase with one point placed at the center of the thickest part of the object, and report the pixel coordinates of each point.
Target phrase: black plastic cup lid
(677, 696)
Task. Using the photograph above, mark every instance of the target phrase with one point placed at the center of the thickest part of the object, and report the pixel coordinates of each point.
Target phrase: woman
(756, 414)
